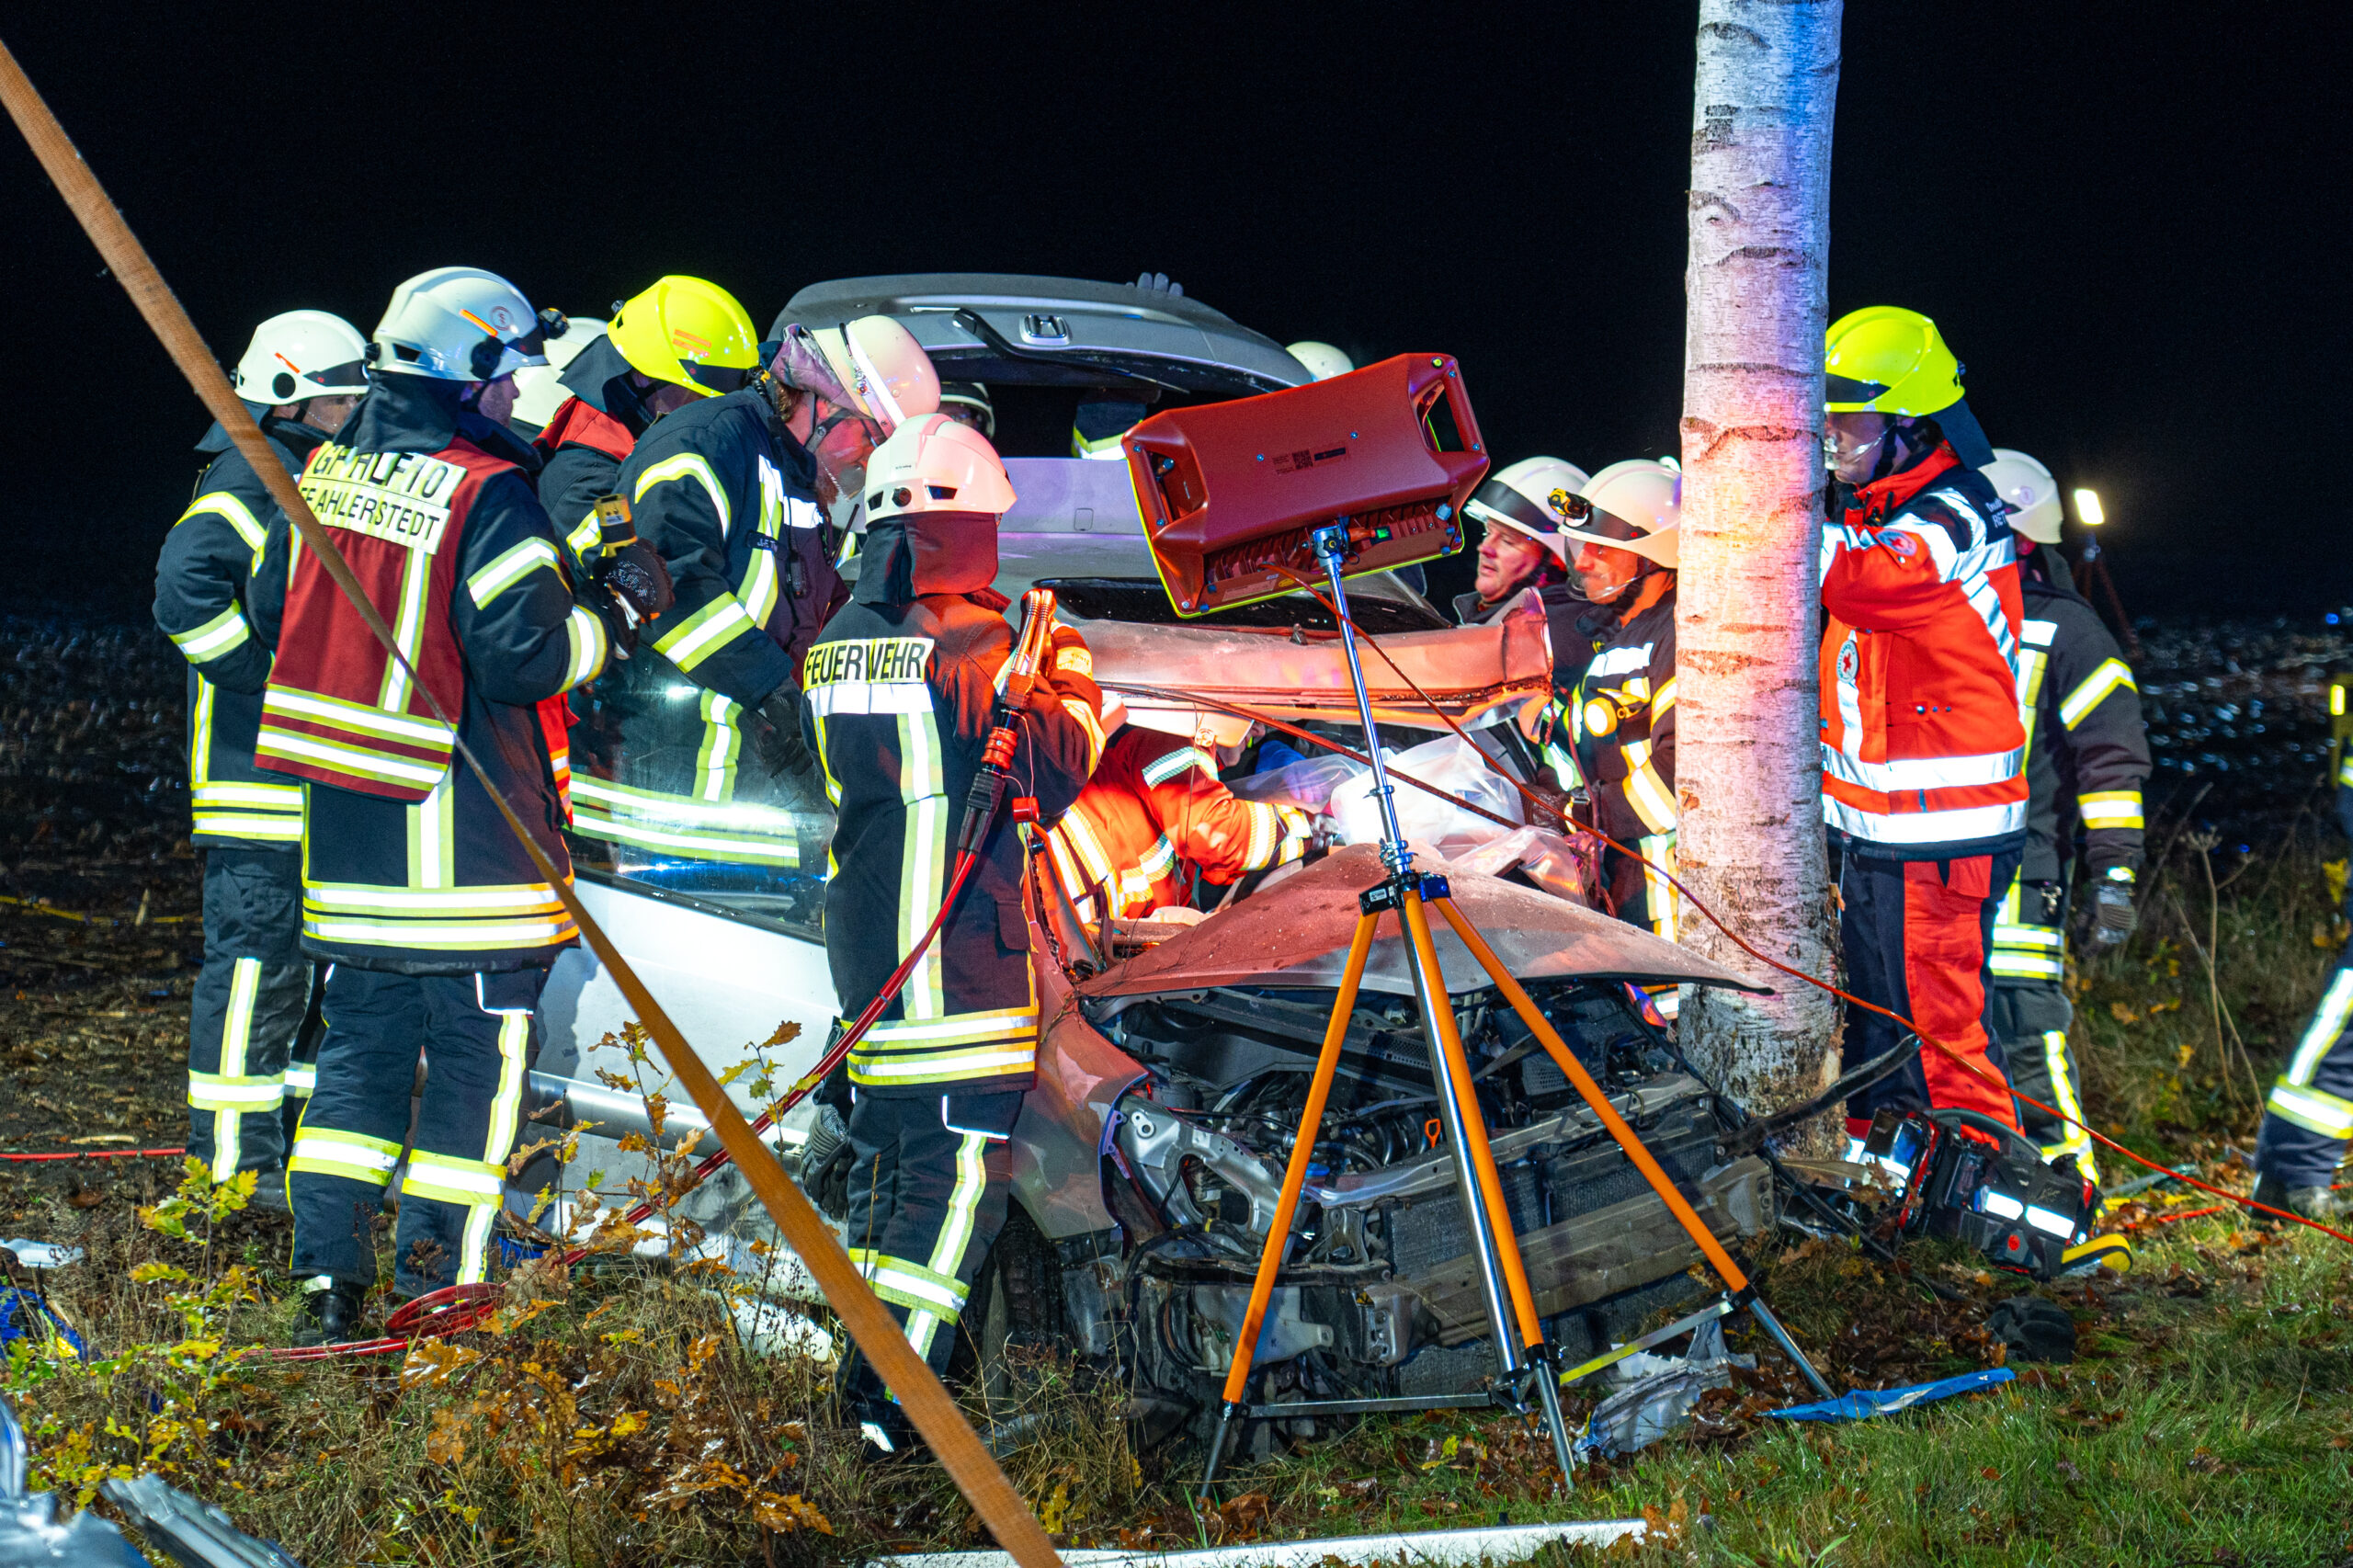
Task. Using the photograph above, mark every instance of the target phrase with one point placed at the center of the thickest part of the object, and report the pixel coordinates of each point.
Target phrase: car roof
(1042, 331)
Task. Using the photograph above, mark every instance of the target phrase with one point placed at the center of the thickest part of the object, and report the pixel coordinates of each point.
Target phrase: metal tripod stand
(1521, 1352)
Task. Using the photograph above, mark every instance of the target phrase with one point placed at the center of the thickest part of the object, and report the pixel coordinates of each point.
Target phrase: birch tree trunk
(1748, 764)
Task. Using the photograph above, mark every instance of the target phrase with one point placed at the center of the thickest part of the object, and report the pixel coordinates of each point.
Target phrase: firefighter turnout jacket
(585, 441)
(728, 499)
(1621, 734)
(409, 867)
(2087, 757)
(220, 589)
(1155, 816)
(1922, 750)
(895, 704)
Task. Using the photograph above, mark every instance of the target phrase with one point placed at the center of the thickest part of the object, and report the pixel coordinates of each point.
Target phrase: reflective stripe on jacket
(407, 863)
(895, 704)
(220, 590)
(1922, 753)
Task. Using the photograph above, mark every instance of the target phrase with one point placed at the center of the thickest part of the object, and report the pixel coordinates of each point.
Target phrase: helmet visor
(351, 376)
(1497, 504)
(716, 379)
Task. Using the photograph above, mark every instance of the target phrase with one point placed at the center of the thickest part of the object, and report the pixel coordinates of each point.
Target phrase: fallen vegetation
(612, 1413)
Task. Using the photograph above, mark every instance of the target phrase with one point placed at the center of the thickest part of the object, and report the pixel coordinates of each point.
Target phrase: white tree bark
(1748, 762)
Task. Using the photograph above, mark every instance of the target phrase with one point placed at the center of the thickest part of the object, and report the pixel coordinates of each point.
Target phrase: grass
(614, 1416)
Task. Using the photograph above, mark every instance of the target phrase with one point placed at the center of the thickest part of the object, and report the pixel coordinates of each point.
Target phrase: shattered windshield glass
(668, 790)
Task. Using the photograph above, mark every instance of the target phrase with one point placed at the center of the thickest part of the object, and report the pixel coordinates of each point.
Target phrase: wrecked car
(1171, 1074)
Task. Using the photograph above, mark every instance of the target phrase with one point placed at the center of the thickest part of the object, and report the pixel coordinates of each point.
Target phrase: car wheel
(1017, 1303)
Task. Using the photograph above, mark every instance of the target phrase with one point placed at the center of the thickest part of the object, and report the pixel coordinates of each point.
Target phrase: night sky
(2121, 221)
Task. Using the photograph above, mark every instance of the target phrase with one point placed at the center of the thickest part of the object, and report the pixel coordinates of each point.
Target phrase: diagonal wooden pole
(869, 1324)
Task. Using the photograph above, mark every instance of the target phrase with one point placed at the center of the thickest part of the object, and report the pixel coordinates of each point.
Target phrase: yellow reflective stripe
(218, 1091)
(2111, 808)
(2073, 1141)
(509, 568)
(2078, 704)
(1090, 722)
(223, 633)
(583, 632)
(229, 509)
(2044, 936)
(722, 748)
(350, 759)
(323, 1151)
(364, 717)
(2315, 1110)
(687, 465)
(2024, 966)
(1658, 864)
(586, 536)
(963, 1204)
(1004, 1061)
(301, 1077)
(251, 796)
(2329, 1020)
(453, 1180)
(488, 899)
(923, 858)
(230, 825)
(1646, 792)
(2344, 768)
(909, 1284)
(1102, 448)
(1663, 699)
(408, 631)
(738, 818)
(703, 633)
(994, 1024)
(761, 587)
(461, 936)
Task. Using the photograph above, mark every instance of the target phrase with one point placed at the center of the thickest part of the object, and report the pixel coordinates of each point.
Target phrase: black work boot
(2322, 1202)
(269, 1191)
(330, 1314)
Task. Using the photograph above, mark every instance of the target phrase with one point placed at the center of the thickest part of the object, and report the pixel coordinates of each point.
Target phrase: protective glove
(776, 735)
(2114, 913)
(638, 586)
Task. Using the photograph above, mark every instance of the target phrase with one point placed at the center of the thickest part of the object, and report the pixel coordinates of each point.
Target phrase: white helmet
(459, 323)
(934, 464)
(303, 354)
(2029, 492)
(1521, 498)
(539, 388)
(884, 369)
(1637, 506)
(1323, 361)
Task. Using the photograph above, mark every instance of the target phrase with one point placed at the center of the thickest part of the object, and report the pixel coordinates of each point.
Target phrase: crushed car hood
(1468, 671)
(1296, 933)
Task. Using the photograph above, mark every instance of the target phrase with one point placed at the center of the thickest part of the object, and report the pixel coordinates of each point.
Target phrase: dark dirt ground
(99, 931)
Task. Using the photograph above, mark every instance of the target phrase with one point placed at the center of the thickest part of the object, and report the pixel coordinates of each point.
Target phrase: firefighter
(967, 403)
(1923, 782)
(2087, 755)
(897, 698)
(731, 493)
(2308, 1118)
(1154, 820)
(219, 591)
(1620, 719)
(1520, 545)
(680, 339)
(438, 926)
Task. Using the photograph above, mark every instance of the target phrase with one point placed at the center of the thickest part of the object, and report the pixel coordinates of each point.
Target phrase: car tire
(1016, 1301)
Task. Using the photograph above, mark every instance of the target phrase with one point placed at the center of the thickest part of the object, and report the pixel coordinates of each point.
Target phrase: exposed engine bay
(1381, 1297)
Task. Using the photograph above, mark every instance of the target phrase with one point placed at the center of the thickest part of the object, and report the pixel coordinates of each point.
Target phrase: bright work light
(2087, 510)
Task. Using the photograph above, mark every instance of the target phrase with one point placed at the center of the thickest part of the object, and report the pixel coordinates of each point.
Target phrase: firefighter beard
(897, 697)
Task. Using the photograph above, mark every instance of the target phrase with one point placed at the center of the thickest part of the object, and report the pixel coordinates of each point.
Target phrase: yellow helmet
(1886, 359)
(690, 333)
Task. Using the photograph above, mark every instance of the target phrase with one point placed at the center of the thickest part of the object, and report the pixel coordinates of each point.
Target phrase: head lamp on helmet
(1635, 505)
(1524, 498)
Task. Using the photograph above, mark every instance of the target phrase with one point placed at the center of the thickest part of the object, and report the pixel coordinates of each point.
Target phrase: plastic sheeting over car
(1300, 939)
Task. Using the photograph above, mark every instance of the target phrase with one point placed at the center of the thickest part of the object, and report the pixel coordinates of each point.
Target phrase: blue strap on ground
(1864, 1403)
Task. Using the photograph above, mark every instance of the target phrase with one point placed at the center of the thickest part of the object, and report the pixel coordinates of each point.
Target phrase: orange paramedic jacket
(1154, 806)
(1922, 753)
